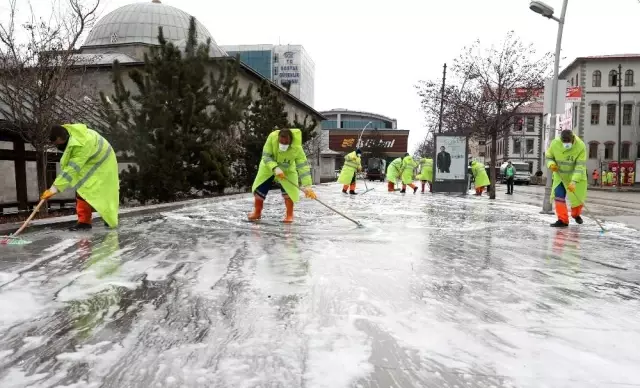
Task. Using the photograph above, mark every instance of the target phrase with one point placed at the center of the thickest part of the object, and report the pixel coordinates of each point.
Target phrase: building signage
(289, 72)
(391, 143)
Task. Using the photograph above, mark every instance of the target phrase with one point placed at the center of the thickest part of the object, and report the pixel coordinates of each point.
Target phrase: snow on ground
(435, 290)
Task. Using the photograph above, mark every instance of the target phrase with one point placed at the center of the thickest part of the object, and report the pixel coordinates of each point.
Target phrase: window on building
(529, 144)
(611, 114)
(596, 79)
(517, 146)
(613, 78)
(518, 125)
(531, 124)
(628, 78)
(638, 151)
(608, 150)
(627, 110)
(571, 81)
(625, 151)
(593, 150)
(595, 114)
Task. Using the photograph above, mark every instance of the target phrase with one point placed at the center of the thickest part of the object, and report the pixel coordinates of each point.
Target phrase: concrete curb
(7, 229)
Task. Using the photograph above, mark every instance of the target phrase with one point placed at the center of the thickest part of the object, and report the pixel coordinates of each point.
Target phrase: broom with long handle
(14, 239)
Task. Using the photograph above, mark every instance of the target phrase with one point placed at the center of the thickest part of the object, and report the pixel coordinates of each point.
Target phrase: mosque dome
(139, 22)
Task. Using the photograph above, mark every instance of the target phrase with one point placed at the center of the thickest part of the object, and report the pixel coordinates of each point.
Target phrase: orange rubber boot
(83, 210)
(289, 205)
(390, 187)
(345, 188)
(352, 187)
(257, 209)
(561, 210)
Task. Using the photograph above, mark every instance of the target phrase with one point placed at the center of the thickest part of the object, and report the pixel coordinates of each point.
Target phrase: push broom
(14, 239)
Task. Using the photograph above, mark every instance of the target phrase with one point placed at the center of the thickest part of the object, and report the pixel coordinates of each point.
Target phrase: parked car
(376, 169)
(522, 173)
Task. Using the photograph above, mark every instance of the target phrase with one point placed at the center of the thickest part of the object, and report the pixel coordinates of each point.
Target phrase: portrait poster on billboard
(451, 155)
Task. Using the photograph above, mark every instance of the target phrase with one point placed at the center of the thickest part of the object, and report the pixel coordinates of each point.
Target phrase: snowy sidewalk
(435, 291)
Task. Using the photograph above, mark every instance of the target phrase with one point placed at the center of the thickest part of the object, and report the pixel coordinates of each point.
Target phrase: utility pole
(444, 80)
(619, 169)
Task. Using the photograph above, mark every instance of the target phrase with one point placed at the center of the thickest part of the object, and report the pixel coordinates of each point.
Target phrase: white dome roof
(139, 22)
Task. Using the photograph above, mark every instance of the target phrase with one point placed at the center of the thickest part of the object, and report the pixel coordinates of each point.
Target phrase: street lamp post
(546, 11)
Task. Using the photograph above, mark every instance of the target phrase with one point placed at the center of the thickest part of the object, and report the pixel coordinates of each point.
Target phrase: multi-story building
(524, 141)
(381, 135)
(289, 66)
(595, 118)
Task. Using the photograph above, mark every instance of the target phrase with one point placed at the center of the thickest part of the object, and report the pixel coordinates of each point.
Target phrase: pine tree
(177, 124)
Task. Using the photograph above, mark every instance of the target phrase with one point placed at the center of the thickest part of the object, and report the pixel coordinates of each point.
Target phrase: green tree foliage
(267, 114)
(179, 123)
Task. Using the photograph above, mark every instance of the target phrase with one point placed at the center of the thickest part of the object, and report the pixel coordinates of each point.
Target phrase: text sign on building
(390, 143)
(289, 72)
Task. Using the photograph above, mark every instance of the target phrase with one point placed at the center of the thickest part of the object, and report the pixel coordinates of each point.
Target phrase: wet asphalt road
(434, 291)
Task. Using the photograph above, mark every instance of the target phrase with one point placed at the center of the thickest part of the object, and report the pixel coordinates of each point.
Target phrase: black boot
(403, 191)
(415, 189)
(344, 191)
(80, 226)
(559, 224)
(578, 219)
(352, 192)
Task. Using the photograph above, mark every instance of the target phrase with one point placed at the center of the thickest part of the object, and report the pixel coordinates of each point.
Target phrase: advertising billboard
(451, 157)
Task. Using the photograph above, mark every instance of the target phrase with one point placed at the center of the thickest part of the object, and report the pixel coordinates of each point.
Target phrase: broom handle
(30, 218)
(324, 204)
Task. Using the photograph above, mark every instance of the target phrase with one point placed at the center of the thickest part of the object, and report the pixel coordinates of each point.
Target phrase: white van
(522, 172)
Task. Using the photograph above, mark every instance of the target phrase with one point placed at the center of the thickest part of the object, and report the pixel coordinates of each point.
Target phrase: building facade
(289, 66)
(595, 117)
(524, 141)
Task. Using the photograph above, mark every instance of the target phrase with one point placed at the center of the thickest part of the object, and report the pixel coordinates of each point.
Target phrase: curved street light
(545, 10)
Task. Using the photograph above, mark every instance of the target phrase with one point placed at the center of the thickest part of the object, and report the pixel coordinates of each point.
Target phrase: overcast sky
(370, 54)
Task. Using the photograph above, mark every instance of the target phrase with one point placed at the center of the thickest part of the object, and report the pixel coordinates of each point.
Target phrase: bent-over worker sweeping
(393, 173)
(567, 158)
(352, 165)
(89, 166)
(283, 163)
(426, 173)
(480, 177)
(408, 171)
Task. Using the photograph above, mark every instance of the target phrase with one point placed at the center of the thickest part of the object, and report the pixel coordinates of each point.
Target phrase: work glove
(359, 169)
(49, 193)
(309, 193)
(278, 173)
(553, 167)
(572, 187)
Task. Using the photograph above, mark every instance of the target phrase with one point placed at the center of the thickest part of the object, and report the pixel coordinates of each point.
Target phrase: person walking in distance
(596, 177)
(566, 157)
(443, 160)
(510, 173)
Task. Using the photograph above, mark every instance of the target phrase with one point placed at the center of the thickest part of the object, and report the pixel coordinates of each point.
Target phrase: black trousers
(510, 185)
